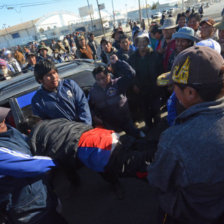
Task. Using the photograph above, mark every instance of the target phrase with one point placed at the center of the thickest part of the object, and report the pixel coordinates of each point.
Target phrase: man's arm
(161, 171)
(21, 165)
(82, 105)
(128, 73)
(36, 108)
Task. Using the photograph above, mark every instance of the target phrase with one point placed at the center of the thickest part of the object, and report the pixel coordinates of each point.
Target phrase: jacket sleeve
(22, 165)
(128, 74)
(161, 172)
(37, 109)
(82, 105)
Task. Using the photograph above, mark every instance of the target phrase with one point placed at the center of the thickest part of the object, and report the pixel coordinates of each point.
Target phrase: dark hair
(124, 36)
(155, 29)
(104, 40)
(207, 92)
(196, 16)
(181, 15)
(99, 69)
(42, 68)
(29, 123)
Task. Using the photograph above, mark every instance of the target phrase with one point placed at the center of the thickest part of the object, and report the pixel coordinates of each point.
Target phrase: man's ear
(191, 94)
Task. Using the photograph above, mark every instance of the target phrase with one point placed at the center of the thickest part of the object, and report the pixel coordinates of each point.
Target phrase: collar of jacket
(211, 107)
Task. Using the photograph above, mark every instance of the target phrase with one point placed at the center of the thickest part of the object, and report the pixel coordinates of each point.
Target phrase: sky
(14, 12)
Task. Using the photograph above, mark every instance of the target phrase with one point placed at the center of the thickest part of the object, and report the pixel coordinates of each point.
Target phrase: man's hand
(113, 59)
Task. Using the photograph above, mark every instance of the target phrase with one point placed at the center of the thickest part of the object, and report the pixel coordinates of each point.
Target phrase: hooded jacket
(188, 167)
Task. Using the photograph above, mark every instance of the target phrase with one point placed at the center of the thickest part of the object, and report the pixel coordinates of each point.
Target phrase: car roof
(26, 82)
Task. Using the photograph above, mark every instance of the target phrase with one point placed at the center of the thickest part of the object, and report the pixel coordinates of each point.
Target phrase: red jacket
(169, 50)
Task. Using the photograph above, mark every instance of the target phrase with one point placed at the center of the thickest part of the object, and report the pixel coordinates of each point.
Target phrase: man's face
(206, 31)
(117, 36)
(181, 21)
(157, 35)
(167, 33)
(43, 52)
(142, 44)
(92, 37)
(106, 47)
(193, 23)
(3, 127)
(50, 80)
(9, 56)
(125, 44)
(31, 60)
(181, 44)
(102, 79)
(82, 42)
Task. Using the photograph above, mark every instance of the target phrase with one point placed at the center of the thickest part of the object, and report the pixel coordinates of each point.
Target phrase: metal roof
(16, 28)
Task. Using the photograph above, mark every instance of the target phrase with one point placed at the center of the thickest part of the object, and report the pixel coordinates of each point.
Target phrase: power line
(28, 4)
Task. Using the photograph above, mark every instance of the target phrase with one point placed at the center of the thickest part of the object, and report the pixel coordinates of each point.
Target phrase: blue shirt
(68, 101)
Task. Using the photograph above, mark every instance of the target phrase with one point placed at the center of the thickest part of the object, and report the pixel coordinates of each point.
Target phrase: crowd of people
(177, 63)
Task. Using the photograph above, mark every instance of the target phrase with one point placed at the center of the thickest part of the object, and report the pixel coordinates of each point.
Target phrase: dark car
(17, 92)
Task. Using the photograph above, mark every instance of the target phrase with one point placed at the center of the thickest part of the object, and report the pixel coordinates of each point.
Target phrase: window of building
(15, 35)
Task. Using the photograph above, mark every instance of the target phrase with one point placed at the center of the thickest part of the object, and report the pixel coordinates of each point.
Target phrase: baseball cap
(210, 43)
(164, 79)
(209, 21)
(30, 54)
(3, 113)
(195, 65)
(42, 47)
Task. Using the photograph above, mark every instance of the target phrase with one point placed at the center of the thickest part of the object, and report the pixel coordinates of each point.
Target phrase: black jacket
(147, 68)
(58, 139)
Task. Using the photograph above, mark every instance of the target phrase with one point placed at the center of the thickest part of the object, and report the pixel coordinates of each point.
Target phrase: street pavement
(93, 201)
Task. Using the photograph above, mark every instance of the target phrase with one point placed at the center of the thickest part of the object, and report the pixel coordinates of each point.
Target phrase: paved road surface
(94, 201)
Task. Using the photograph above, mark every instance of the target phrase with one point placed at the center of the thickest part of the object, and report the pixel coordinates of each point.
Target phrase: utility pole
(100, 17)
(113, 12)
(7, 39)
(140, 11)
(90, 14)
(147, 13)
